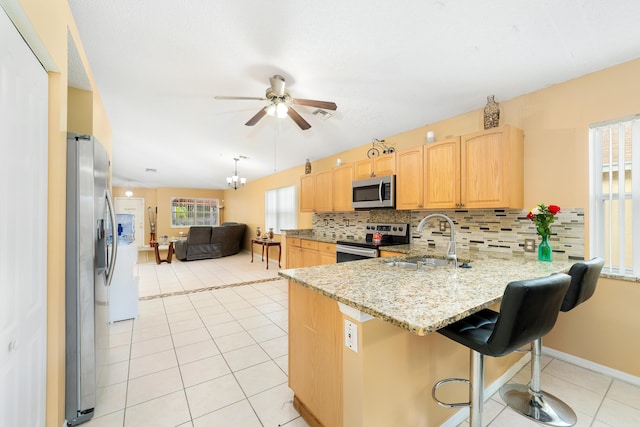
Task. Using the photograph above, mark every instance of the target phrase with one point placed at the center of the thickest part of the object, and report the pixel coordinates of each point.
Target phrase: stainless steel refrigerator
(90, 257)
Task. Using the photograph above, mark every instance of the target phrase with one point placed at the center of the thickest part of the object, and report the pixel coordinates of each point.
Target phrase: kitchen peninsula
(394, 313)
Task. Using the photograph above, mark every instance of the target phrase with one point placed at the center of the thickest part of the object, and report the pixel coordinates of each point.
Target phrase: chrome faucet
(451, 249)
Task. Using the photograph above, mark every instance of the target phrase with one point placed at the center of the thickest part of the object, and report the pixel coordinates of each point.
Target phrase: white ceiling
(390, 66)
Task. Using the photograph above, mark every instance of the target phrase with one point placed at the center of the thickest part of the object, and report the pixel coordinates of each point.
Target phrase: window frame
(599, 135)
(205, 211)
(281, 220)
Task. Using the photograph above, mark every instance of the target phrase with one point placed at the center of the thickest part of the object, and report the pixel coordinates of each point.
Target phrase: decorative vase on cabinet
(491, 113)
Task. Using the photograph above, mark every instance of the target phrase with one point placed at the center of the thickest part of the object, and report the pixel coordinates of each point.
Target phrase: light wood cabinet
(410, 179)
(442, 174)
(315, 354)
(310, 255)
(294, 253)
(327, 253)
(476, 171)
(342, 193)
(327, 191)
(324, 191)
(307, 193)
(492, 168)
(307, 253)
(378, 166)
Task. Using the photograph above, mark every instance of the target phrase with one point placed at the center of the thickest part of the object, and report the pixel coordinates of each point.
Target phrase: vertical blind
(281, 209)
(615, 194)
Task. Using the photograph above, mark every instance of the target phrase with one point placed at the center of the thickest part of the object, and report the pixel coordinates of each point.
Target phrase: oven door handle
(353, 250)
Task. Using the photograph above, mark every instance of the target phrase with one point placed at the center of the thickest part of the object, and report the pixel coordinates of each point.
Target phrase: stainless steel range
(376, 235)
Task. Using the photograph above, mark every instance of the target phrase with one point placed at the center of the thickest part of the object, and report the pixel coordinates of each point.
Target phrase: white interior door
(23, 227)
(135, 206)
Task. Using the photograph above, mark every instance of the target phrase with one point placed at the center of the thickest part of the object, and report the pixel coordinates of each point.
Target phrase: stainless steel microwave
(373, 193)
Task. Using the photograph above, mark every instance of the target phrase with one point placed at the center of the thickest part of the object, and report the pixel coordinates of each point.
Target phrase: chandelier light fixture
(235, 181)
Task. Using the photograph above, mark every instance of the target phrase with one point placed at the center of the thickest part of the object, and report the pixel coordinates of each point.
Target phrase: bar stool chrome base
(541, 407)
(534, 403)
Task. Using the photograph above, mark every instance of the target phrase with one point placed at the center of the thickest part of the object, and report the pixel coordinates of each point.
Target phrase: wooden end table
(267, 244)
(156, 249)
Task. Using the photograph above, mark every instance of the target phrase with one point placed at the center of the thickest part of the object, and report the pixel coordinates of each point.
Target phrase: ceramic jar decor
(307, 167)
(258, 231)
(271, 233)
(491, 113)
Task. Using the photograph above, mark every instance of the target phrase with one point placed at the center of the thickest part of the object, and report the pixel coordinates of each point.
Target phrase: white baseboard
(463, 413)
(592, 366)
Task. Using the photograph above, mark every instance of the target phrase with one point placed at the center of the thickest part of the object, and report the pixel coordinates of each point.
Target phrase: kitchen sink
(412, 263)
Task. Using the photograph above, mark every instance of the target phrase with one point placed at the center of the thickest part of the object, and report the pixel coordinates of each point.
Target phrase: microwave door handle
(380, 191)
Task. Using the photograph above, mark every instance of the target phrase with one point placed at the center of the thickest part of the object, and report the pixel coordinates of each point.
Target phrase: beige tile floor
(209, 348)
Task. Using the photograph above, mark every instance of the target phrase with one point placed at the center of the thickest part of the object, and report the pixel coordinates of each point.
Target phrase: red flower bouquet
(543, 216)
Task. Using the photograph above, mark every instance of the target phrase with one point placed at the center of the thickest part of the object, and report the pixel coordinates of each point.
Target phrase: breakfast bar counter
(422, 301)
(384, 377)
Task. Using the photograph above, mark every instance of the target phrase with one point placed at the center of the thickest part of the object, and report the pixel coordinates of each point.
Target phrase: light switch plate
(529, 245)
(443, 225)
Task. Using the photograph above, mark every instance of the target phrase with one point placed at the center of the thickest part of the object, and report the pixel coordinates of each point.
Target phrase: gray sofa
(205, 242)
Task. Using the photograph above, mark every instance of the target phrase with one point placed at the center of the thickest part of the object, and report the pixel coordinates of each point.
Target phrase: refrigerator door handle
(114, 252)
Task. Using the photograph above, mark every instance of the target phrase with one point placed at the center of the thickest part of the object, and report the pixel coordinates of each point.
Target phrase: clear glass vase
(544, 249)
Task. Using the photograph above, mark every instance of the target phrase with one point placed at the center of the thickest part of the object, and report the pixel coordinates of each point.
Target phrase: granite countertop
(422, 301)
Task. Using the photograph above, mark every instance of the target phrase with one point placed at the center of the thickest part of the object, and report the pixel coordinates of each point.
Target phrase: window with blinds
(186, 212)
(281, 209)
(615, 194)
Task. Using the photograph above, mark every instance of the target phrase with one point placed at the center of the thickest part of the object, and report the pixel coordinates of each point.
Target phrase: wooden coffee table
(156, 249)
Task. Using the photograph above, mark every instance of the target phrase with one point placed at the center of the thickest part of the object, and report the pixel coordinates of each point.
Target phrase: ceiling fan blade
(251, 98)
(325, 105)
(277, 84)
(255, 119)
(304, 125)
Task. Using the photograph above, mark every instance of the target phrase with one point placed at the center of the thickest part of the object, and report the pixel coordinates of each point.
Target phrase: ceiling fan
(279, 104)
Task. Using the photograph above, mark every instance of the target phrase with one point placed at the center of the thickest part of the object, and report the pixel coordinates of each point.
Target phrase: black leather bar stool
(528, 311)
(530, 400)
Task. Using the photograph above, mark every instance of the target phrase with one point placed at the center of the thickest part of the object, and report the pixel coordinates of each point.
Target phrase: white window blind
(186, 212)
(615, 194)
(281, 209)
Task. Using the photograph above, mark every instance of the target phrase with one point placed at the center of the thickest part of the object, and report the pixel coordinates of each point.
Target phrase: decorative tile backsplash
(499, 230)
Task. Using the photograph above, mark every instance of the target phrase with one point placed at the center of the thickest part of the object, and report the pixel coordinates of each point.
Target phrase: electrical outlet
(443, 225)
(351, 335)
(529, 245)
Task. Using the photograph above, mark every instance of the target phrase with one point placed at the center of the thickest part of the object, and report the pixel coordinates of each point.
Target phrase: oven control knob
(395, 228)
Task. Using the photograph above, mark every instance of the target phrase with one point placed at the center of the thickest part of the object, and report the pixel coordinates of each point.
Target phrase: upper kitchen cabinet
(410, 179)
(492, 169)
(442, 174)
(342, 190)
(324, 191)
(307, 193)
(316, 192)
(377, 166)
(327, 191)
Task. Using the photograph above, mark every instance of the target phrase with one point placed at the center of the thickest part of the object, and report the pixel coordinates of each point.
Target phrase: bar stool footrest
(541, 407)
(447, 404)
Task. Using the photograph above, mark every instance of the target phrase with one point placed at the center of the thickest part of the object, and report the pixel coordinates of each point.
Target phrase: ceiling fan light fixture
(281, 110)
(277, 109)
